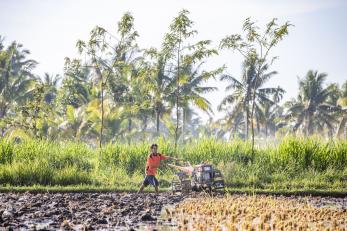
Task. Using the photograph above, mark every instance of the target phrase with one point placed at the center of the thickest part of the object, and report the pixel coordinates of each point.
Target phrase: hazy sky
(50, 29)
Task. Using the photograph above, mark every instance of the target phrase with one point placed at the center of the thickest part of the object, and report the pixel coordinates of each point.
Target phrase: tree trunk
(3, 111)
(98, 73)
(144, 128)
(177, 92)
(258, 126)
(252, 126)
(246, 123)
(266, 130)
(102, 112)
(76, 133)
(36, 112)
(309, 125)
(129, 130)
(252, 111)
(183, 122)
(158, 121)
(330, 134)
(341, 129)
(2, 115)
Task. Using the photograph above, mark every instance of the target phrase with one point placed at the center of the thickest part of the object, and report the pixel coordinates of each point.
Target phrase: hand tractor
(202, 177)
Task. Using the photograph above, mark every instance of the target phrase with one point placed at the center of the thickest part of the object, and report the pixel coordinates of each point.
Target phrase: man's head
(154, 148)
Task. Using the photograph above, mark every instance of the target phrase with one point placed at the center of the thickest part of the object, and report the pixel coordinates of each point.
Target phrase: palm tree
(50, 84)
(16, 79)
(268, 113)
(342, 103)
(270, 118)
(77, 84)
(136, 98)
(183, 56)
(241, 96)
(192, 89)
(311, 111)
(211, 129)
(76, 123)
(160, 85)
(230, 126)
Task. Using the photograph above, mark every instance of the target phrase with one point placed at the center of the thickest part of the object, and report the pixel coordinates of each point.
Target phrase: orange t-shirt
(153, 162)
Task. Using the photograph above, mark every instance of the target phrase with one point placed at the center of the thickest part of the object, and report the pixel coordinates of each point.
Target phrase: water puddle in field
(164, 221)
(39, 225)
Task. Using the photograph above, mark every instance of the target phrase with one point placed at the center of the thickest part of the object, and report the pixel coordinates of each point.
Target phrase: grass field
(294, 164)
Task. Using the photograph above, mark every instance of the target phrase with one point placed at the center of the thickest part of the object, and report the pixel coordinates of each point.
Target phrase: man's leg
(156, 185)
(144, 184)
(141, 188)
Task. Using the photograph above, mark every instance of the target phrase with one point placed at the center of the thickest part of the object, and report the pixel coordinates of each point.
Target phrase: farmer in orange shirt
(153, 162)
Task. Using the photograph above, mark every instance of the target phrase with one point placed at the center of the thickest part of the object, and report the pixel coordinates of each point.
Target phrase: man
(153, 162)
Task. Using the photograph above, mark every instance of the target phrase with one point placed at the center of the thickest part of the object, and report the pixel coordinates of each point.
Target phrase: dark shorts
(150, 180)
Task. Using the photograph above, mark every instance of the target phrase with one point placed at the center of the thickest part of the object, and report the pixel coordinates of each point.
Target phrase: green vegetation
(116, 91)
(293, 164)
(120, 97)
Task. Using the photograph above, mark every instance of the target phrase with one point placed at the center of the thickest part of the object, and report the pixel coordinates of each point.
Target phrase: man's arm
(172, 158)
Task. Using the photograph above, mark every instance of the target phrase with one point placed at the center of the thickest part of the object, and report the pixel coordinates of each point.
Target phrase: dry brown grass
(256, 213)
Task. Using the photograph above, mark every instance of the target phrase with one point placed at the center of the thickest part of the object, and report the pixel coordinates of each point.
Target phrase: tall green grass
(293, 163)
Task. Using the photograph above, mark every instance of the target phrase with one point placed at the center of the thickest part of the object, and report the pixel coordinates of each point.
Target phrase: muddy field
(129, 211)
(82, 211)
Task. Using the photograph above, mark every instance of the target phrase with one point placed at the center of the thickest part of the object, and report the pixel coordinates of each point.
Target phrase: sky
(50, 29)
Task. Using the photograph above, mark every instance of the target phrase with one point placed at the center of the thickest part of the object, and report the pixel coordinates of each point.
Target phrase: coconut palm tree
(50, 83)
(268, 113)
(77, 85)
(231, 126)
(311, 111)
(270, 118)
(193, 88)
(16, 79)
(241, 97)
(76, 124)
(342, 103)
(160, 85)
